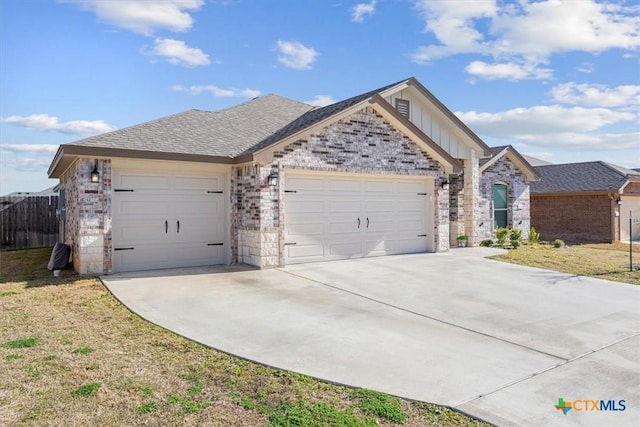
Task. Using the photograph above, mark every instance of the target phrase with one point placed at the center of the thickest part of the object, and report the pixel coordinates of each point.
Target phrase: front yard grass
(70, 354)
(603, 261)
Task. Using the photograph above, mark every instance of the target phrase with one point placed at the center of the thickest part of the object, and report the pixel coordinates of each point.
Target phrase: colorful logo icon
(563, 406)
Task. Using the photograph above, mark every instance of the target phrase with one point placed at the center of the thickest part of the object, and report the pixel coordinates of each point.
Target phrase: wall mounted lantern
(444, 182)
(95, 175)
(272, 179)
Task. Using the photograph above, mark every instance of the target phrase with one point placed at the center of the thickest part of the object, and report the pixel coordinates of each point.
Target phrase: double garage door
(165, 220)
(330, 218)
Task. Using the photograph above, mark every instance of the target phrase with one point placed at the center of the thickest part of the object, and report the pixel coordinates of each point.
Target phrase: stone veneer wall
(518, 208)
(456, 208)
(88, 216)
(361, 143)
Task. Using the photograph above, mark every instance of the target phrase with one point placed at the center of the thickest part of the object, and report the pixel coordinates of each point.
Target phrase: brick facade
(574, 218)
(361, 143)
(88, 216)
(518, 205)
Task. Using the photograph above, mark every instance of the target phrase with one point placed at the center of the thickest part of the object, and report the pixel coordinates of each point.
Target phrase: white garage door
(328, 218)
(167, 221)
(630, 208)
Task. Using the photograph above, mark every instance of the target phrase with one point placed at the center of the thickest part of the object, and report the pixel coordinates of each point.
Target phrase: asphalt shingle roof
(314, 116)
(225, 133)
(577, 177)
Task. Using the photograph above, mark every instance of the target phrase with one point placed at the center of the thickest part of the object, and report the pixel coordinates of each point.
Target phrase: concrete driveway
(498, 341)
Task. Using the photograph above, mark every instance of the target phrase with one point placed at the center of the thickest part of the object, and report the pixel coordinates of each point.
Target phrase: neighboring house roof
(51, 191)
(534, 161)
(247, 132)
(591, 177)
(514, 156)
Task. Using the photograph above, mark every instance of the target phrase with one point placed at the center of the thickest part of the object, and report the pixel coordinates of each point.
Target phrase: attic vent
(402, 105)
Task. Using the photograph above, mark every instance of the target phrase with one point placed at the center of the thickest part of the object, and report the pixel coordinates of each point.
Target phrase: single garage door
(630, 208)
(331, 218)
(167, 220)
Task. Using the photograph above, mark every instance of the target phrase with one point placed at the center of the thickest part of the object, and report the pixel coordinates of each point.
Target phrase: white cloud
(586, 67)
(508, 71)
(596, 95)
(542, 120)
(177, 52)
(361, 9)
(25, 164)
(585, 141)
(526, 31)
(144, 16)
(29, 148)
(45, 122)
(295, 55)
(218, 92)
(321, 100)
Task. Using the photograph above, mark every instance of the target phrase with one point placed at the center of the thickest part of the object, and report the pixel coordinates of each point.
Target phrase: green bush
(501, 235)
(515, 237)
(534, 236)
(557, 243)
(487, 243)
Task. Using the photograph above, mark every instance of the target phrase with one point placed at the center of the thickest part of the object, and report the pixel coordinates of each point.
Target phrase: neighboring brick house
(585, 202)
(274, 181)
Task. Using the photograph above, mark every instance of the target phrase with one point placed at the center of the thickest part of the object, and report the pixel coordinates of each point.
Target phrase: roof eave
(68, 153)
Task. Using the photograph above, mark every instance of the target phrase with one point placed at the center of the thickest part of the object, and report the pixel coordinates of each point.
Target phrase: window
(402, 105)
(500, 204)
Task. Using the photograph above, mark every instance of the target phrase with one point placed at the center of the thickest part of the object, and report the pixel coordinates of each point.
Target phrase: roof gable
(514, 156)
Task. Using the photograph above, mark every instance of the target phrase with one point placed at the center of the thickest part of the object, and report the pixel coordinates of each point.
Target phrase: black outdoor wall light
(444, 182)
(95, 175)
(272, 179)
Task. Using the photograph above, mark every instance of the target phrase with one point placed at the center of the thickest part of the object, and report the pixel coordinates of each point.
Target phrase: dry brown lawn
(603, 261)
(70, 354)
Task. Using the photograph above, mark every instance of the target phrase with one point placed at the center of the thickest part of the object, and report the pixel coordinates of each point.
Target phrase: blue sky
(559, 80)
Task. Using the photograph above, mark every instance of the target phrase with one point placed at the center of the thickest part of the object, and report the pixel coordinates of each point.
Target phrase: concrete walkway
(498, 341)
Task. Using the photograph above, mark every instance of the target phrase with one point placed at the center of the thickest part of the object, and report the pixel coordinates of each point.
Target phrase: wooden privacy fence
(28, 222)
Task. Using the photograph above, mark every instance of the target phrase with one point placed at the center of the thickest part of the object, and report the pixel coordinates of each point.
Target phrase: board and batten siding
(433, 123)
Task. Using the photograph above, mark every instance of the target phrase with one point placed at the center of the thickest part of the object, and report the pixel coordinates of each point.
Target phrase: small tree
(534, 236)
(515, 237)
(501, 236)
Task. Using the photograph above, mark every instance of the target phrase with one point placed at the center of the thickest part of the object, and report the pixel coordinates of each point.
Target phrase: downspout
(615, 219)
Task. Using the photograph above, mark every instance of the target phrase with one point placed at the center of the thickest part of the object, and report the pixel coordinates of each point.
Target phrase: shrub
(487, 243)
(515, 237)
(557, 243)
(501, 235)
(462, 237)
(534, 236)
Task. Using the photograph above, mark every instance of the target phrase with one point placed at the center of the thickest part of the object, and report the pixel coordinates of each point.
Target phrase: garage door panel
(304, 207)
(302, 252)
(142, 182)
(192, 254)
(301, 230)
(344, 249)
(142, 231)
(385, 187)
(197, 184)
(409, 245)
(341, 207)
(304, 184)
(338, 186)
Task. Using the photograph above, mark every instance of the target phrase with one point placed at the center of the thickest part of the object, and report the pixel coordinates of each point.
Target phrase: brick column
(471, 197)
